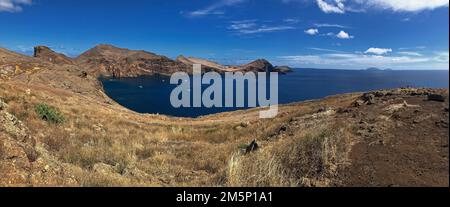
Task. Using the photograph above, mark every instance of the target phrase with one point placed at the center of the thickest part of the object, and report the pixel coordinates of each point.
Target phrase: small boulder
(343, 110)
(28, 92)
(244, 124)
(436, 97)
(380, 94)
(3, 105)
(358, 103)
(322, 109)
(283, 128)
(368, 98)
(442, 124)
(83, 74)
(252, 147)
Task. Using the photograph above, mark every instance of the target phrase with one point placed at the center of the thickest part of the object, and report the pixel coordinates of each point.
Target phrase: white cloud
(13, 5)
(442, 57)
(324, 50)
(264, 29)
(331, 25)
(214, 8)
(252, 27)
(242, 25)
(410, 53)
(344, 35)
(407, 19)
(348, 59)
(378, 51)
(329, 34)
(362, 61)
(333, 6)
(312, 31)
(407, 5)
(413, 48)
(291, 20)
(342, 6)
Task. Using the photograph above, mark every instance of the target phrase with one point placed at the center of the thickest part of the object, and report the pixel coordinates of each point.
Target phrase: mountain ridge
(111, 61)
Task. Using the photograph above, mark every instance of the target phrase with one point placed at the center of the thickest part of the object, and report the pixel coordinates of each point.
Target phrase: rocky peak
(260, 65)
(45, 53)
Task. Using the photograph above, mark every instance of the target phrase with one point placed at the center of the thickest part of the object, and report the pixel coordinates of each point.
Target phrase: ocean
(151, 94)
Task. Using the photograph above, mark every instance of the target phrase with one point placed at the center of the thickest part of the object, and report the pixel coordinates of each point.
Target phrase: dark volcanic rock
(252, 147)
(368, 98)
(83, 74)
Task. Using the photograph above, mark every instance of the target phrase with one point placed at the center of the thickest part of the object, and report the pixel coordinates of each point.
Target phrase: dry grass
(160, 151)
(308, 159)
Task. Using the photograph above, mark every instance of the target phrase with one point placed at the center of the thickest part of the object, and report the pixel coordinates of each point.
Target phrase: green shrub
(49, 114)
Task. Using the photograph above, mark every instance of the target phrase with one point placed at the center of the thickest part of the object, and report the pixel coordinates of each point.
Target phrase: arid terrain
(395, 137)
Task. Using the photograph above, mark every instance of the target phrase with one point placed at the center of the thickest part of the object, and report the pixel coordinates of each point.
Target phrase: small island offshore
(59, 128)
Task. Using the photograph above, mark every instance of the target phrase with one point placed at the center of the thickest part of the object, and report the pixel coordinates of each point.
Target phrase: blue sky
(345, 34)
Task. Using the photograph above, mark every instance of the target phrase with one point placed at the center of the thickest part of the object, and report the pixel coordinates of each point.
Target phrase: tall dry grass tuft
(309, 159)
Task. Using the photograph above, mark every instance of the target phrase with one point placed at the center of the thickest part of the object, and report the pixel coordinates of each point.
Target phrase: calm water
(151, 94)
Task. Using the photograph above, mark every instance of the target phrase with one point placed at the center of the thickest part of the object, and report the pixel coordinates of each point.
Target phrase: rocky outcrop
(260, 65)
(45, 53)
(107, 60)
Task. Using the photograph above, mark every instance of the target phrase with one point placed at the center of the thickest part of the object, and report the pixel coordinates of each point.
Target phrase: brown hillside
(45, 53)
(108, 60)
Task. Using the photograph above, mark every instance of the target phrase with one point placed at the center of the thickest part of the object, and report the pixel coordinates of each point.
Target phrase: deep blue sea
(151, 94)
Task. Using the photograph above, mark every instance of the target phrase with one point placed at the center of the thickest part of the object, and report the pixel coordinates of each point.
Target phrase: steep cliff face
(108, 60)
(45, 53)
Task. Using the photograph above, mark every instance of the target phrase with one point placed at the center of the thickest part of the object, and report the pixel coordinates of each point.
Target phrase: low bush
(49, 114)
